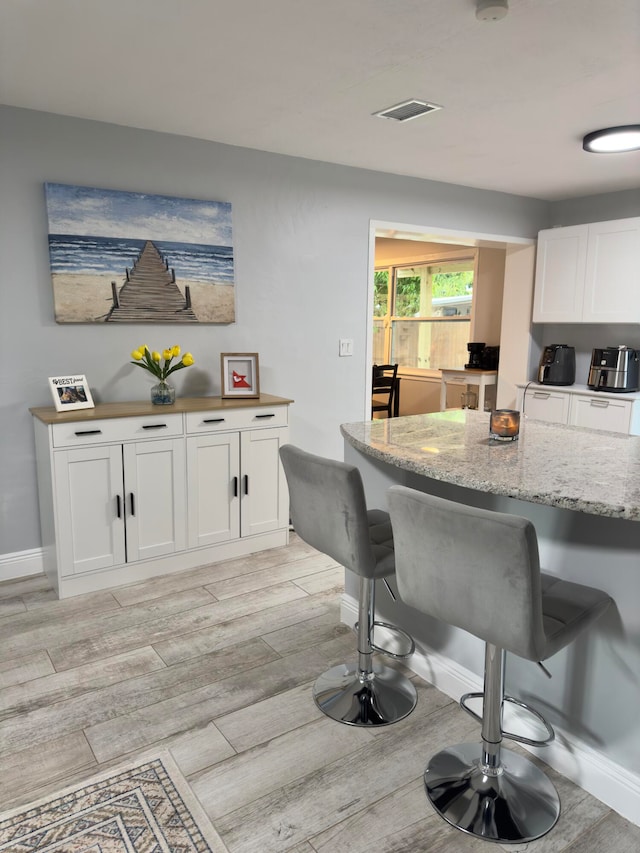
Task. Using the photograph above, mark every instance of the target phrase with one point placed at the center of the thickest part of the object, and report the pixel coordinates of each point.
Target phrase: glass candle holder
(504, 425)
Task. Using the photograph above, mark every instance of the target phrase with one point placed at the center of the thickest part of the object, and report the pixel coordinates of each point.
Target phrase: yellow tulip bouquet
(152, 361)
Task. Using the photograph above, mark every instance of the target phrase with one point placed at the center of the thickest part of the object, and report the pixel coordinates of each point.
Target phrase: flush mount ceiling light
(612, 140)
(408, 110)
(491, 10)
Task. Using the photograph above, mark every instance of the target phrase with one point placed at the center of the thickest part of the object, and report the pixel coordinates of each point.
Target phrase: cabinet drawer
(598, 413)
(223, 420)
(116, 429)
(549, 406)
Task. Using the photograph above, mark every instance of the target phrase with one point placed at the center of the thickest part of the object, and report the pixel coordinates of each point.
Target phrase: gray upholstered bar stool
(480, 571)
(328, 510)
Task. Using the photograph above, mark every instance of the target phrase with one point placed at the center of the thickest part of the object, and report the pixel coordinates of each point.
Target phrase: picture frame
(240, 375)
(70, 393)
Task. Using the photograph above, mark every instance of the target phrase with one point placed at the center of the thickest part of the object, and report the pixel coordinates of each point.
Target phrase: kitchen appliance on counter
(557, 365)
(614, 369)
(475, 351)
(489, 358)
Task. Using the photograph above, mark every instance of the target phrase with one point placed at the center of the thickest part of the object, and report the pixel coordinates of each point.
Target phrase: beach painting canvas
(126, 257)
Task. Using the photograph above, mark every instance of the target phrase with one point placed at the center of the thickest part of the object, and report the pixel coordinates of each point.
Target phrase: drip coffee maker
(475, 355)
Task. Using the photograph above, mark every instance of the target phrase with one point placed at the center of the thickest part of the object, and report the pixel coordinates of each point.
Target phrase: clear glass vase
(163, 394)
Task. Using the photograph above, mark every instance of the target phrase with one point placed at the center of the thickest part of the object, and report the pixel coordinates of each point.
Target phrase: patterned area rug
(141, 808)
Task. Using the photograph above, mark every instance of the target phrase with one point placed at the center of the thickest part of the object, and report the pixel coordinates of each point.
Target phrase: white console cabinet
(130, 490)
(578, 405)
(583, 273)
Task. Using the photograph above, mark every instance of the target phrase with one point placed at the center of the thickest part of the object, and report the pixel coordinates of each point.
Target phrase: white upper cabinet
(560, 268)
(612, 279)
(589, 273)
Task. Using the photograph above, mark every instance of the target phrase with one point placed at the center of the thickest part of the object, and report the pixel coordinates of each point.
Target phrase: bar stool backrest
(329, 511)
(472, 568)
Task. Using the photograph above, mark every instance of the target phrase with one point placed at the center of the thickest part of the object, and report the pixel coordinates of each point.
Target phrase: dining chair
(384, 388)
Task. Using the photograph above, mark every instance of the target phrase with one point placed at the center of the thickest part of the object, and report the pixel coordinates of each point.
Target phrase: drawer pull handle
(272, 415)
(89, 432)
(133, 506)
(154, 426)
(246, 484)
(213, 421)
(235, 487)
(118, 507)
(541, 395)
(599, 404)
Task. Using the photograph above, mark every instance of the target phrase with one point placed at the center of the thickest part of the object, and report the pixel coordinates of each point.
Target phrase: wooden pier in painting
(150, 293)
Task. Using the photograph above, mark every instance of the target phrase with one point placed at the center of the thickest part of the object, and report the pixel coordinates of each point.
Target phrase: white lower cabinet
(213, 474)
(236, 485)
(597, 413)
(547, 406)
(578, 406)
(118, 504)
(172, 492)
(264, 497)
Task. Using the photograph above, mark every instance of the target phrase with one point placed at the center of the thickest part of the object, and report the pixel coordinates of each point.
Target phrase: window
(422, 314)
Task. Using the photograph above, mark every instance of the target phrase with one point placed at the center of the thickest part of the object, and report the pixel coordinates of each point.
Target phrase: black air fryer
(557, 365)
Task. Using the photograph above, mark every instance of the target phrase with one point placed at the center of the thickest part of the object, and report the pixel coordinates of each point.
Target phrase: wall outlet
(346, 346)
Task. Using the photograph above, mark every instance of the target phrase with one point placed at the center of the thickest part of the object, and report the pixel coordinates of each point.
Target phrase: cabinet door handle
(118, 507)
(235, 487)
(89, 432)
(213, 420)
(541, 395)
(133, 506)
(599, 404)
(154, 426)
(246, 484)
(272, 415)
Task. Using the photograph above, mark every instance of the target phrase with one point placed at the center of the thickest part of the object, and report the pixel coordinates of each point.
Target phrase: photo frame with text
(240, 374)
(70, 393)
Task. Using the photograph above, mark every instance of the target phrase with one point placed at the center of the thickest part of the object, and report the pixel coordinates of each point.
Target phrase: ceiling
(303, 78)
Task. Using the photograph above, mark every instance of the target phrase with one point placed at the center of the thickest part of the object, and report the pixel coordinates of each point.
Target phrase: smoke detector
(491, 10)
(408, 110)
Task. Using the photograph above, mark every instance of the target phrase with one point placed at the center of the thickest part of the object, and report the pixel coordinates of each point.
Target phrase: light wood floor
(216, 664)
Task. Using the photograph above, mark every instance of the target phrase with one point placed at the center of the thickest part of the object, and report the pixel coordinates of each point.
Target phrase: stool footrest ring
(394, 630)
(511, 735)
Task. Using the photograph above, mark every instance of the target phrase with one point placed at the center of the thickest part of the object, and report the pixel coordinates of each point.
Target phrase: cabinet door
(551, 406)
(560, 268)
(213, 478)
(155, 493)
(598, 413)
(264, 495)
(612, 294)
(89, 508)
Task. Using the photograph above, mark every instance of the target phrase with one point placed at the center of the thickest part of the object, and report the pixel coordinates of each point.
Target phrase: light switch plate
(346, 346)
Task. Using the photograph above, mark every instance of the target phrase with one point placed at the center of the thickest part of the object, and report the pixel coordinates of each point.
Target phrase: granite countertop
(587, 470)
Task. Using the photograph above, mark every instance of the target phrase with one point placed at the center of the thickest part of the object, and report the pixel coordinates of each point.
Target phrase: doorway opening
(430, 294)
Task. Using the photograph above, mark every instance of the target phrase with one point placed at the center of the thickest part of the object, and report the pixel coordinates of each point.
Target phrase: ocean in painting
(83, 255)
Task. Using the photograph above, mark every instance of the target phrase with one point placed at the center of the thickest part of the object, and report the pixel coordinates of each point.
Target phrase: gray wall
(596, 208)
(301, 238)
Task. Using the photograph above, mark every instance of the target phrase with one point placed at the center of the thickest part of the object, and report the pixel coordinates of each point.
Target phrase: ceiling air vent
(408, 110)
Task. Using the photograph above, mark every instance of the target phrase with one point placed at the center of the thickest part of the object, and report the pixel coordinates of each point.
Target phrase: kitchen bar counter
(581, 489)
(587, 470)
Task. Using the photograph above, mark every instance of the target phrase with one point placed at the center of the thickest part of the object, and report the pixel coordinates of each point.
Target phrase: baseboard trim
(21, 564)
(610, 783)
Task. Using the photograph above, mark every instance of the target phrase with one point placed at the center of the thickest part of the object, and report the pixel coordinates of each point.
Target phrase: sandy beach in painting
(87, 298)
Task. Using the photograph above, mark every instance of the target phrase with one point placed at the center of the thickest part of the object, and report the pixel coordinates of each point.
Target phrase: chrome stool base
(517, 804)
(349, 696)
